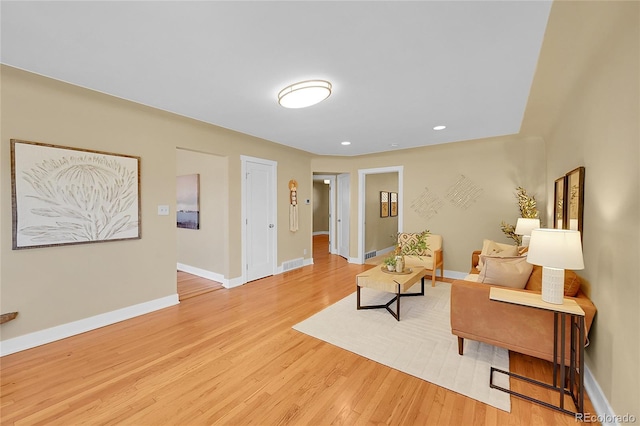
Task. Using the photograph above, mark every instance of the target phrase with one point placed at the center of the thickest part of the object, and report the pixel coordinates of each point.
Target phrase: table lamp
(524, 226)
(555, 250)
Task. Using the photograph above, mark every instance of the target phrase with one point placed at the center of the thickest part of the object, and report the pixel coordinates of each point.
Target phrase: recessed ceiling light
(439, 127)
(345, 143)
(394, 145)
(304, 93)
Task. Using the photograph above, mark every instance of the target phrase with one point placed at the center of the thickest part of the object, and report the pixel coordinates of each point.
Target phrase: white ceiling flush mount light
(439, 127)
(304, 93)
(345, 143)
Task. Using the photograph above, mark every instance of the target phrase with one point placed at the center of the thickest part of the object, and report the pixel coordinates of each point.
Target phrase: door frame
(362, 173)
(346, 177)
(244, 159)
(333, 246)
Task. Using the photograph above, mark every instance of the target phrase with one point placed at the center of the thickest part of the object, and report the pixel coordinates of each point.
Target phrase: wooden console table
(575, 386)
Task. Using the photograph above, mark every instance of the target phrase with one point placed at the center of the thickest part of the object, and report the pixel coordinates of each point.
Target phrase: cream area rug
(420, 344)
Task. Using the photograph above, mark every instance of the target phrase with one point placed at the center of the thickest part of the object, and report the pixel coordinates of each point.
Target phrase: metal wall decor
(62, 195)
(427, 204)
(463, 193)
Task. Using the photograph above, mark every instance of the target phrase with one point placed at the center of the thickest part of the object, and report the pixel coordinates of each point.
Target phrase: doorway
(324, 212)
(362, 174)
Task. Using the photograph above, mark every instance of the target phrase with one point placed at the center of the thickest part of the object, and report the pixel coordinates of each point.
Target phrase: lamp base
(553, 285)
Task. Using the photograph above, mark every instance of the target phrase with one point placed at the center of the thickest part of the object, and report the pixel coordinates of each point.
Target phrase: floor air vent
(370, 255)
(292, 264)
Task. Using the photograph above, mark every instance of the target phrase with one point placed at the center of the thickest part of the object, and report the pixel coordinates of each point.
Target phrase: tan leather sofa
(518, 328)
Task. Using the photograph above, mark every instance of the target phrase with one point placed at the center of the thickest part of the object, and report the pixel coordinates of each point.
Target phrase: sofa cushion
(492, 248)
(572, 281)
(511, 272)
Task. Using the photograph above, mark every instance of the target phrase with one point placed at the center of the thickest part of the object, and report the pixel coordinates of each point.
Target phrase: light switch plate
(163, 210)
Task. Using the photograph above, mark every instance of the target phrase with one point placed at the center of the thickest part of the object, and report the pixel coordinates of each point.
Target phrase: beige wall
(206, 248)
(495, 166)
(380, 232)
(585, 102)
(57, 285)
(320, 207)
(583, 110)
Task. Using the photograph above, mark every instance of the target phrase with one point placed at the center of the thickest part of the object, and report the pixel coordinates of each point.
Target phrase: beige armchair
(431, 259)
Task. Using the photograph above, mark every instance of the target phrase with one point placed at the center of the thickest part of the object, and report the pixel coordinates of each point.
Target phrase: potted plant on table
(390, 263)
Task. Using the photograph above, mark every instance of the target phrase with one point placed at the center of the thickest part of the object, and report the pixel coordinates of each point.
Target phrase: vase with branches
(528, 209)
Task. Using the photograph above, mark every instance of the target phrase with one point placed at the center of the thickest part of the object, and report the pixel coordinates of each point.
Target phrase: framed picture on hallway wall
(384, 204)
(559, 218)
(393, 199)
(62, 195)
(188, 196)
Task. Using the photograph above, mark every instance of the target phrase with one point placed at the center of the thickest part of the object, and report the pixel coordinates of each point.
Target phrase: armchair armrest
(437, 254)
(475, 260)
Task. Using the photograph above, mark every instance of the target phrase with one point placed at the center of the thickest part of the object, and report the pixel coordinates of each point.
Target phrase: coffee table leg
(358, 296)
(398, 304)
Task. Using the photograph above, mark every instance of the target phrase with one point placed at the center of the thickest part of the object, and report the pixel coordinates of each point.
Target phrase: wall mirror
(575, 199)
(558, 203)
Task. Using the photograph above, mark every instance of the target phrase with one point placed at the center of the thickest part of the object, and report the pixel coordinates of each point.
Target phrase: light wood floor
(191, 286)
(231, 357)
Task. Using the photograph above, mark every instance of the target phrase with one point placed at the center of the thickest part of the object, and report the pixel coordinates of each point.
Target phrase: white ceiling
(397, 68)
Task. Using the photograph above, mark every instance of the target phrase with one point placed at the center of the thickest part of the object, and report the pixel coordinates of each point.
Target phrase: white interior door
(260, 212)
(333, 246)
(343, 213)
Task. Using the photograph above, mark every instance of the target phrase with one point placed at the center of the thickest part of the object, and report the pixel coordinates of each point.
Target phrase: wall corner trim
(63, 331)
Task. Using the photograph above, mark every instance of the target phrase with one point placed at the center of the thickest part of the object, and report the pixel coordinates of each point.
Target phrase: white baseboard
(213, 276)
(233, 282)
(63, 331)
(604, 413)
(199, 272)
(321, 233)
(455, 275)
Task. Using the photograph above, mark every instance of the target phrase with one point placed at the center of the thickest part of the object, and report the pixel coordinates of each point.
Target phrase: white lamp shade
(556, 248)
(524, 226)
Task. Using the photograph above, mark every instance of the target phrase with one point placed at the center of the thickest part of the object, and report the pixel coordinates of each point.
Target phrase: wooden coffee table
(398, 283)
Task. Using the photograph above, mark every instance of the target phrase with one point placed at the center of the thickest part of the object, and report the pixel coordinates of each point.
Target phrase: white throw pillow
(491, 248)
(511, 272)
